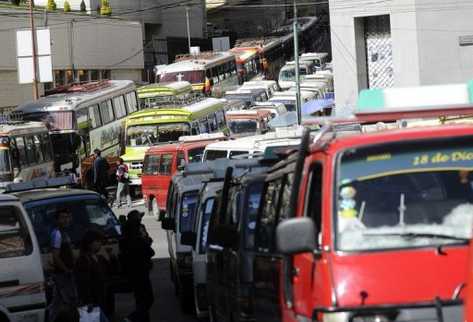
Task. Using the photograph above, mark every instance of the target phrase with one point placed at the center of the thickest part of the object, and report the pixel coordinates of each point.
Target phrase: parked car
(89, 211)
(22, 281)
(231, 247)
(182, 203)
(161, 162)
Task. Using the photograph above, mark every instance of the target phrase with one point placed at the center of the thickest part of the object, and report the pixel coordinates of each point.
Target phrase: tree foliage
(105, 9)
(67, 6)
(83, 7)
(51, 5)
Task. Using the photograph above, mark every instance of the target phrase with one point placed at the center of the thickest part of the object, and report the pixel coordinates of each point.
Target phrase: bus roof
(199, 62)
(76, 96)
(175, 114)
(286, 136)
(164, 89)
(243, 54)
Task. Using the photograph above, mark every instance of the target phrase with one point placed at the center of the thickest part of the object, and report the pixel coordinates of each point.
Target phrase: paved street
(166, 306)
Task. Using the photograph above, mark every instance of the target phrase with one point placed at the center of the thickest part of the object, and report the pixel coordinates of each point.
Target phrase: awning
(317, 105)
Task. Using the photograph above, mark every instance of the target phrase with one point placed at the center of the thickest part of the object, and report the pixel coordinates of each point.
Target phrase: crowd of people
(85, 282)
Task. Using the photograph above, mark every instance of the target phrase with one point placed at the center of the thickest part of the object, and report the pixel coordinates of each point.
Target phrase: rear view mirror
(188, 238)
(168, 223)
(303, 228)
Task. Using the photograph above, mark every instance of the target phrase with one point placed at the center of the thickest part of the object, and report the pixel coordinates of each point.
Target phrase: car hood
(401, 276)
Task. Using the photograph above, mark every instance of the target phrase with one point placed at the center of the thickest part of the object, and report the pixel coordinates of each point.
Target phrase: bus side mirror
(303, 228)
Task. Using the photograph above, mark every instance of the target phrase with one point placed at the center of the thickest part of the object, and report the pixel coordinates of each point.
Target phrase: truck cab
(382, 216)
(163, 161)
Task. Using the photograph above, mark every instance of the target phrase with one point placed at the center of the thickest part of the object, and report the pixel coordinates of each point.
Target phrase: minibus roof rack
(40, 183)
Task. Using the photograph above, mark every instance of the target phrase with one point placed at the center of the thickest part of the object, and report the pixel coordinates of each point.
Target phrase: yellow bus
(160, 126)
(158, 95)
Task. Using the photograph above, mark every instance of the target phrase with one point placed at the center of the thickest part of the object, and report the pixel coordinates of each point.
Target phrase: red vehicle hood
(401, 276)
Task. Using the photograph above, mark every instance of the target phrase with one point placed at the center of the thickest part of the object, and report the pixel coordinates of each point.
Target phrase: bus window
(82, 117)
(37, 148)
(119, 107)
(106, 112)
(20, 143)
(165, 166)
(30, 151)
(94, 116)
(213, 122)
(131, 102)
(204, 125)
(46, 147)
(220, 119)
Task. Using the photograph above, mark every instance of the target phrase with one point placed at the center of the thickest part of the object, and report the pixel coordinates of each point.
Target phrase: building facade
(160, 20)
(83, 48)
(399, 43)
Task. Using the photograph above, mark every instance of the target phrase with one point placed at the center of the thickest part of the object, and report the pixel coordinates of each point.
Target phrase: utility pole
(33, 41)
(188, 29)
(296, 61)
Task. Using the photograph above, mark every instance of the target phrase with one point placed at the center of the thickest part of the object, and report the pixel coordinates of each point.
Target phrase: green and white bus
(162, 94)
(160, 126)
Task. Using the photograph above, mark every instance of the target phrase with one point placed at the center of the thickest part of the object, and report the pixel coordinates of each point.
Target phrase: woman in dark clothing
(136, 256)
(91, 272)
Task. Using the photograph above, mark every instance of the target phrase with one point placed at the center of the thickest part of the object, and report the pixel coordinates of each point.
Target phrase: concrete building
(163, 23)
(399, 43)
(83, 48)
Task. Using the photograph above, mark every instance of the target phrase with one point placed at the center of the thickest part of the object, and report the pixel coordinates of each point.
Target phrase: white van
(22, 294)
(287, 74)
(252, 146)
(288, 98)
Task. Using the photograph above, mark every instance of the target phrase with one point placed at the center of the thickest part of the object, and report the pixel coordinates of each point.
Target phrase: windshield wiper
(420, 235)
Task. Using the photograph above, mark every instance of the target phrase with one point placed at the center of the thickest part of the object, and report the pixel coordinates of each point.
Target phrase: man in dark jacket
(137, 253)
(100, 173)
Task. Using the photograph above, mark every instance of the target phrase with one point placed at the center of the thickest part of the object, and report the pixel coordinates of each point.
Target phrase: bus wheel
(155, 208)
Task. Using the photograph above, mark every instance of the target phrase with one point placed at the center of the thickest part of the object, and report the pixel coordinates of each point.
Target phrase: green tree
(83, 7)
(51, 5)
(15, 2)
(105, 9)
(67, 6)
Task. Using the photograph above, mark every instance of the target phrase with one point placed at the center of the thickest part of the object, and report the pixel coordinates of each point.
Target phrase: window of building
(59, 77)
(94, 75)
(106, 74)
(83, 75)
(69, 77)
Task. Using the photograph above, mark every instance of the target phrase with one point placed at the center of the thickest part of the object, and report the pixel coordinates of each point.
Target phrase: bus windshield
(243, 126)
(5, 168)
(405, 195)
(193, 77)
(144, 135)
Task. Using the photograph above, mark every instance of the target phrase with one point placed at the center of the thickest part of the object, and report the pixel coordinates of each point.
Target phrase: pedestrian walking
(100, 173)
(91, 272)
(136, 259)
(64, 292)
(123, 186)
